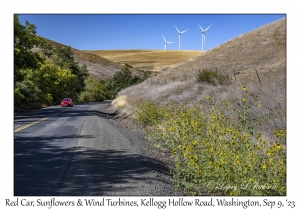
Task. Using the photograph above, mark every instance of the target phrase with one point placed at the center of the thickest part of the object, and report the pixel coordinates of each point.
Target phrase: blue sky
(144, 31)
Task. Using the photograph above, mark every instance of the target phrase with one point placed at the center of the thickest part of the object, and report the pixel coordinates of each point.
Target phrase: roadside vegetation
(105, 89)
(220, 146)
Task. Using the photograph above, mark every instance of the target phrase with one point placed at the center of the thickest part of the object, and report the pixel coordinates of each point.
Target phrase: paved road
(78, 151)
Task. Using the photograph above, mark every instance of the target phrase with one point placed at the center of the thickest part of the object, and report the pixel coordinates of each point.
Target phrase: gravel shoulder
(112, 158)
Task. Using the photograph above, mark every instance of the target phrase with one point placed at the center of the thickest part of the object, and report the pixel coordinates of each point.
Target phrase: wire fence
(162, 81)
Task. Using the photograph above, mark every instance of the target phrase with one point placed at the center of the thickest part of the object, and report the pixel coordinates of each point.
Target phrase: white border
(8, 8)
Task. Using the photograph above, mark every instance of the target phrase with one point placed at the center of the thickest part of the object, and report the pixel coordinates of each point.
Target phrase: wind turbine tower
(179, 34)
(166, 42)
(203, 34)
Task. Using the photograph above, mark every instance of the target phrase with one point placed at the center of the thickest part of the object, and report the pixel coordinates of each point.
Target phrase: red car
(66, 102)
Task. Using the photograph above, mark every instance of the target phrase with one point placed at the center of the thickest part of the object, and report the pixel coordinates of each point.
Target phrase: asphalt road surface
(78, 151)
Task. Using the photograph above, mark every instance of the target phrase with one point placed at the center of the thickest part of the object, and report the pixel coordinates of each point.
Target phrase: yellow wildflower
(174, 151)
(264, 167)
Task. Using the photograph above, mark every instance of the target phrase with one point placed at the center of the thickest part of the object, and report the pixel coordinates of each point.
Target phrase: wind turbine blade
(200, 27)
(169, 42)
(164, 37)
(184, 31)
(208, 27)
(177, 29)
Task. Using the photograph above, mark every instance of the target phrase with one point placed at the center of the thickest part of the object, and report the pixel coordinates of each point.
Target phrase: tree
(26, 48)
(121, 79)
(64, 58)
(46, 85)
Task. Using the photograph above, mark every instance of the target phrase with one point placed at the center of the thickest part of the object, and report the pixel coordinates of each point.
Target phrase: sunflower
(277, 146)
(174, 151)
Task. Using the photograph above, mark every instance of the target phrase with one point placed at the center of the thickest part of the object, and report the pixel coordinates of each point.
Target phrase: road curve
(77, 151)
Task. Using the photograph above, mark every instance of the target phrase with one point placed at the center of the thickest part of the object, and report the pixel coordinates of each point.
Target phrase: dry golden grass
(150, 60)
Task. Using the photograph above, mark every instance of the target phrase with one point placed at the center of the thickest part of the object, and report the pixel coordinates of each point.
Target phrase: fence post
(234, 75)
(173, 79)
(151, 80)
(165, 81)
(258, 77)
(157, 81)
(184, 77)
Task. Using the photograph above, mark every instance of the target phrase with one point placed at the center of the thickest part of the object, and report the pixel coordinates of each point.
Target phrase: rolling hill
(147, 60)
(97, 66)
(104, 63)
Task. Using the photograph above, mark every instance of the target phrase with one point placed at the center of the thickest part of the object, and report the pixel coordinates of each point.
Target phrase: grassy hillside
(263, 50)
(149, 60)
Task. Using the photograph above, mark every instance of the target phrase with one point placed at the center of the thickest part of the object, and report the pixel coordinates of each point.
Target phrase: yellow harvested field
(146, 59)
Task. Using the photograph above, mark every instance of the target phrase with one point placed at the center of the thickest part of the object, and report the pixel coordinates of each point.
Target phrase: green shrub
(122, 79)
(127, 65)
(212, 77)
(99, 90)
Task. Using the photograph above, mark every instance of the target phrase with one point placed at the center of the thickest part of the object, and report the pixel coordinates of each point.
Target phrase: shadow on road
(45, 168)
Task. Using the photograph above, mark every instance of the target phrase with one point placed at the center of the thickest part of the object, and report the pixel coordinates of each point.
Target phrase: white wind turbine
(179, 33)
(203, 34)
(166, 42)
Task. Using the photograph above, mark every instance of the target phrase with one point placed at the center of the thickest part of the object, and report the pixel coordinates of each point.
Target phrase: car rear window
(66, 99)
